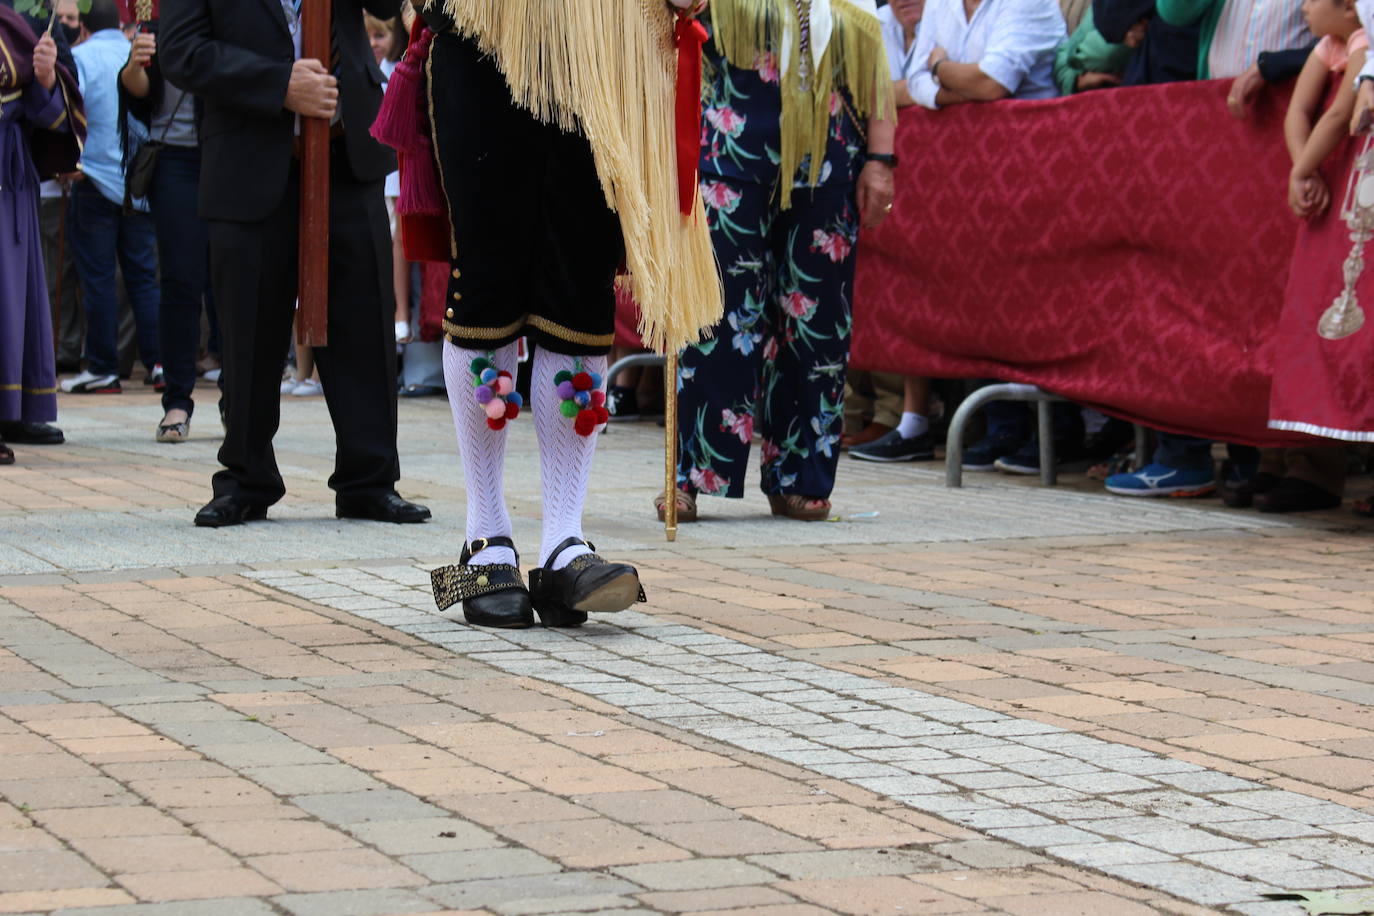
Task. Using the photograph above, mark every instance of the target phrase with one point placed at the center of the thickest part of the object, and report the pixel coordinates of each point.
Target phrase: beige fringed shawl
(608, 68)
(850, 57)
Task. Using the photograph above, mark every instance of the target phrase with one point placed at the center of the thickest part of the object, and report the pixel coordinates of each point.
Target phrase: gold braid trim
(608, 68)
(855, 60)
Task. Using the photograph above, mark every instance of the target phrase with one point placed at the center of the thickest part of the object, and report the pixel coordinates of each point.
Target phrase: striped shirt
(1247, 27)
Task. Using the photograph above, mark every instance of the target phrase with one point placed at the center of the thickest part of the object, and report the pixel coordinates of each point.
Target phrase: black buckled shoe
(563, 597)
(493, 594)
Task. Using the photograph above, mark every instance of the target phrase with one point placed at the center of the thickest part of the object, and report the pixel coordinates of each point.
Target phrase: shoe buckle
(479, 545)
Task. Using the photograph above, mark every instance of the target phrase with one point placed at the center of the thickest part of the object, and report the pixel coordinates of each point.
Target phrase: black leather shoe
(389, 507)
(223, 511)
(493, 594)
(32, 433)
(564, 597)
(1294, 495)
(1242, 495)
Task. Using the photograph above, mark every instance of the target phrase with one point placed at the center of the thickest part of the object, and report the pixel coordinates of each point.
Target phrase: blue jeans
(183, 248)
(103, 235)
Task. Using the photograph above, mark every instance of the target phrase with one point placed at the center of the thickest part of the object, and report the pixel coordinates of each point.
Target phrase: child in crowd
(1085, 60)
(1343, 46)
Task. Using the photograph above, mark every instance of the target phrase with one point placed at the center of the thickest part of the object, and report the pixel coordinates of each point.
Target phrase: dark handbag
(138, 178)
(138, 181)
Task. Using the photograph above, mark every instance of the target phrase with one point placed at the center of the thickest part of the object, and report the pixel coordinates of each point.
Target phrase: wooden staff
(312, 321)
(670, 447)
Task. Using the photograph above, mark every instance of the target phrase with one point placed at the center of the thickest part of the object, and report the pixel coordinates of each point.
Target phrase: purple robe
(28, 112)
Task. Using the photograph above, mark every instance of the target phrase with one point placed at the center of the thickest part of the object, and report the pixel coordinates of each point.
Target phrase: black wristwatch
(888, 159)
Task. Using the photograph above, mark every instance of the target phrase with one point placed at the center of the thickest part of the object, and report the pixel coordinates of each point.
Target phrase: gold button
(457, 296)
(457, 274)
(449, 313)
(449, 338)
(483, 580)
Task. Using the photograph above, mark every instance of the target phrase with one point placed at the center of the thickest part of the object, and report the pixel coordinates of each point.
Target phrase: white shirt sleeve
(917, 69)
(1026, 31)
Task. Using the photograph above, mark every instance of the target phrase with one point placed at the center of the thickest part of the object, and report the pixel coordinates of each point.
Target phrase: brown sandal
(686, 506)
(795, 505)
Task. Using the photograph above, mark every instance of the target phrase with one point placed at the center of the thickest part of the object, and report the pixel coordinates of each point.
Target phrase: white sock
(565, 458)
(912, 425)
(482, 450)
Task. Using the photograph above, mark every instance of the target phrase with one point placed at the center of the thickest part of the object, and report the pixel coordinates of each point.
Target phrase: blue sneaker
(1162, 480)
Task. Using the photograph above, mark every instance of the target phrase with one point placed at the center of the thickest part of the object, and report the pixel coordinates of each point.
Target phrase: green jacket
(1187, 12)
(1086, 51)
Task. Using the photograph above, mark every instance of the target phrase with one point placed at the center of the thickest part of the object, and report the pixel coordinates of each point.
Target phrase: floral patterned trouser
(779, 356)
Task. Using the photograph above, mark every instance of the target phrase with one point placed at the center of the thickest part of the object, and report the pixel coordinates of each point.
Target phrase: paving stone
(988, 854)
(355, 903)
(231, 906)
(471, 865)
(1045, 837)
(359, 807)
(1096, 855)
(851, 863)
(1191, 882)
(474, 894)
(694, 874)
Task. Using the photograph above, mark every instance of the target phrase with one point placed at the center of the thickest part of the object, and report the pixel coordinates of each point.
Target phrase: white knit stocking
(565, 458)
(482, 449)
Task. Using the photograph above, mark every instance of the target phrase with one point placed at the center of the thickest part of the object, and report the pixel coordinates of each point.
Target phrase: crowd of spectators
(127, 265)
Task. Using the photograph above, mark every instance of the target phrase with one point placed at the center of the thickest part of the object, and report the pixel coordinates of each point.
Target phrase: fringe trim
(855, 61)
(608, 69)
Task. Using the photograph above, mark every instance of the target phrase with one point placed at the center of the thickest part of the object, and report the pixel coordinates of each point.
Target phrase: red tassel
(688, 36)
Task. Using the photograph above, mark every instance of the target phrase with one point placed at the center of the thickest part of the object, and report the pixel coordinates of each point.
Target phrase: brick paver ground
(998, 700)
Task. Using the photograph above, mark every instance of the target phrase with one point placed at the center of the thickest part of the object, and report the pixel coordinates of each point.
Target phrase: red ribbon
(688, 36)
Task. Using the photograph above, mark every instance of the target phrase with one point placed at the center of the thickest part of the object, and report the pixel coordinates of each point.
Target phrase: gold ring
(887, 209)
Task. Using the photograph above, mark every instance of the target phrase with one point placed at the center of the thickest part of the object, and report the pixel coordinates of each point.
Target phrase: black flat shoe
(493, 594)
(388, 507)
(32, 433)
(223, 511)
(1294, 495)
(1242, 495)
(589, 584)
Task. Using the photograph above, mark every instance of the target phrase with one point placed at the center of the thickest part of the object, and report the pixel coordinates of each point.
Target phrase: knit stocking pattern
(565, 458)
(482, 450)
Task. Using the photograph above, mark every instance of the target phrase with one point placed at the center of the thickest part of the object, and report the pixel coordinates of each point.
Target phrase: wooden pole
(312, 324)
(670, 447)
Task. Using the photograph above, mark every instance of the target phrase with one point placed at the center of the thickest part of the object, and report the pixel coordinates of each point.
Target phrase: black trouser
(182, 246)
(253, 268)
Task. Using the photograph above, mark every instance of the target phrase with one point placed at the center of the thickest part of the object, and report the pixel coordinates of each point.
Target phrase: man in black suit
(241, 59)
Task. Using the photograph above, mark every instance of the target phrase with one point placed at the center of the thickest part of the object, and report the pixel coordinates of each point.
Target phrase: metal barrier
(1049, 474)
(629, 362)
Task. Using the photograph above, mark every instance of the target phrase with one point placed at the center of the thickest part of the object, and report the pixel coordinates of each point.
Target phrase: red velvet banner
(1127, 249)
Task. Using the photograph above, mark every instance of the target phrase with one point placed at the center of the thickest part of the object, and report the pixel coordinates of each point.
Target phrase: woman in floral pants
(786, 249)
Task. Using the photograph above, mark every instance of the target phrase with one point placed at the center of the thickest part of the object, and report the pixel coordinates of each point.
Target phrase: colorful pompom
(582, 381)
(598, 398)
(596, 379)
(583, 399)
(563, 375)
(566, 391)
(602, 415)
(568, 409)
(494, 391)
(585, 424)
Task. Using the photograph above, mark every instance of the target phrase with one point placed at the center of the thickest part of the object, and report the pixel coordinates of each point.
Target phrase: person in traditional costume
(797, 141)
(555, 140)
(41, 130)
